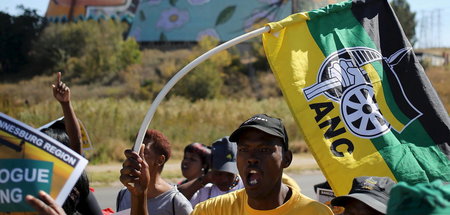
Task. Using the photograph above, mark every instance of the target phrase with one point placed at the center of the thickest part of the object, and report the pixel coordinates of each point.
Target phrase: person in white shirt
(224, 175)
(141, 175)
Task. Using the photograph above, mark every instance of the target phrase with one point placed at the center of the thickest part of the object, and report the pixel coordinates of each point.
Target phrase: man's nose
(253, 158)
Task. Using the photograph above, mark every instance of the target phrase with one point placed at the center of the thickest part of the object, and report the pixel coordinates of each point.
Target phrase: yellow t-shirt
(235, 203)
(286, 179)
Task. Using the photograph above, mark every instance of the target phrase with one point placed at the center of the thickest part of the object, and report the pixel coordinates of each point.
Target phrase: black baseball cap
(265, 123)
(372, 191)
(223, 156)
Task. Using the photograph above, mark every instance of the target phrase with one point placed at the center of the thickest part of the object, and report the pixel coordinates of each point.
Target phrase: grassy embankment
(113, 123)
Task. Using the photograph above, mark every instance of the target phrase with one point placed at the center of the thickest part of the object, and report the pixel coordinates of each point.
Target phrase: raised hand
(61, 92)
(135, 173)
(347, 73)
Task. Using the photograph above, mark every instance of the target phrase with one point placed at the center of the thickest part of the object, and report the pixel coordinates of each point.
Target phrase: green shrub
(205, 81)
(88, 51)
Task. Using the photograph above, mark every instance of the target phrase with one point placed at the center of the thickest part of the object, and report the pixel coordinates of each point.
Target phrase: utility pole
(439, 25)
(423, 29)
(432, 25)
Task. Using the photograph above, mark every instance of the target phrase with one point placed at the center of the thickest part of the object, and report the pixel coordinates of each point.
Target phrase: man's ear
(287, 159)
(161, 160)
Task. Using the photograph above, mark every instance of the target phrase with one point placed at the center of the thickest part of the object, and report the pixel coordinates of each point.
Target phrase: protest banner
(359, 95)
(31, 161)
(324, 196)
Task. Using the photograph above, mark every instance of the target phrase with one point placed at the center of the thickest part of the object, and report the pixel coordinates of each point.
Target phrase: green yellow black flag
(359, 95)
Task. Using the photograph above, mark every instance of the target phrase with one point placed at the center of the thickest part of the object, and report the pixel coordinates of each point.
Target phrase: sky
(431, 16)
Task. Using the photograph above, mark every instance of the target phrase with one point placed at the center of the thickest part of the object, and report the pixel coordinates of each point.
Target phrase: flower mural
(264, 14)
(192, 20)
(153, 2)
(91, 9)
(172, 18)
(198, 2)
(269, 1)
(279, 2)
(136, 33)
(258, 19)
(211, 32)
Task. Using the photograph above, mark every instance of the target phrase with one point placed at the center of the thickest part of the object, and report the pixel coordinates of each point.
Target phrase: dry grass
(440, 79)
(436, 51)
(113, 123)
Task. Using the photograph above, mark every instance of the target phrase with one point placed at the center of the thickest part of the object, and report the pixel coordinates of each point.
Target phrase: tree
(90, 51)
(205, 82)
(16, 36)
(406, 17)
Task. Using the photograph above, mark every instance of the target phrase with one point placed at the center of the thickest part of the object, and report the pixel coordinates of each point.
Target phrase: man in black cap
(369, 195)
(263, 153)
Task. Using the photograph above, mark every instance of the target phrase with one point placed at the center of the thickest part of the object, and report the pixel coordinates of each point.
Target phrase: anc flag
(359, 95)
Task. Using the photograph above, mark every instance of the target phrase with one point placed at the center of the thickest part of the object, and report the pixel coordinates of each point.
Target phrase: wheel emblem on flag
(343, 79)
(361, 113)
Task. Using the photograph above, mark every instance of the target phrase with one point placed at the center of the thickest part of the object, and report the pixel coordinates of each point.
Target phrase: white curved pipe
(183, 72)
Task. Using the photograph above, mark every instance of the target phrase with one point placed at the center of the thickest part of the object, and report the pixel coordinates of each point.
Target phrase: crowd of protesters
(238, 174)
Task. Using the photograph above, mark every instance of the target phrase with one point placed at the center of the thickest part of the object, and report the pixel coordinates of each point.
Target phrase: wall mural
(175, 20)
(63, 10)
(190, 20)
(128, 8)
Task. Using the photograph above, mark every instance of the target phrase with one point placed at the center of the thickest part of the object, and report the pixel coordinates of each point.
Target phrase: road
(106, 196)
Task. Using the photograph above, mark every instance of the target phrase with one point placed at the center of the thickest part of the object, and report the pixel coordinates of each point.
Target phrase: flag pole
(183, 72)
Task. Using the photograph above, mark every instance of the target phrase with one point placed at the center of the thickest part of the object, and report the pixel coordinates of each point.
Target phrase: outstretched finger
(58, 78)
